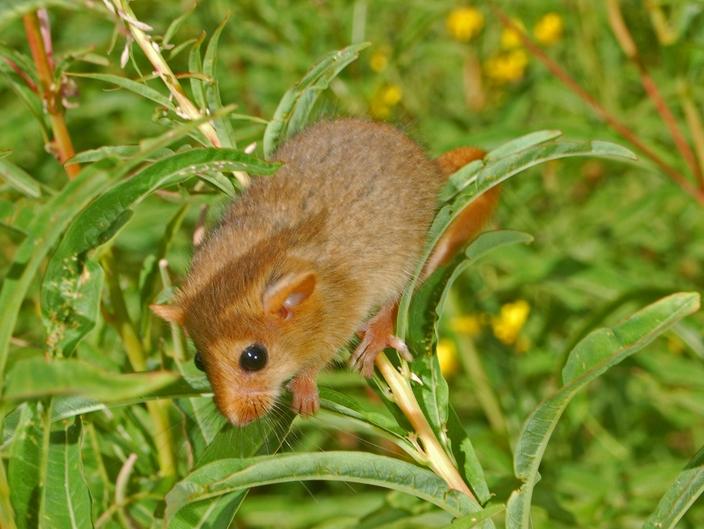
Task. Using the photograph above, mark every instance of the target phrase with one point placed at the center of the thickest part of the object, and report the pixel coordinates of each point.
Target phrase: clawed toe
(371, 345)
(304, 399)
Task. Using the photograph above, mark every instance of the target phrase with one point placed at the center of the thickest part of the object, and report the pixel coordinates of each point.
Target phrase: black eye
(198, 361)
(253, 358)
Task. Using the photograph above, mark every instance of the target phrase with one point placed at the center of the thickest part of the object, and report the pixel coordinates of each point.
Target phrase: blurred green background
(609, 237)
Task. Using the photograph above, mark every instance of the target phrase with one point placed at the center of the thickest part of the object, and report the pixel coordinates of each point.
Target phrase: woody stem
(50, 92)
(628, 45)
(600, 111)
(403, 395)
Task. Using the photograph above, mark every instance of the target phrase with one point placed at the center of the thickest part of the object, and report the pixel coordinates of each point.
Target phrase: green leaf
(475, 519)
(33, 103)
(68, 281)
(521, 143)
(70, 406)
(260, 437)
(23, 467)
(195, 66)
(46, 227)
(425, 309)
(592, 357)
(176, 25)
(19, 179)
(228, 475)
(65, 500)
(150, 276)
(51, 220)
(117, 152)
(349, 407)
(496, 168)
(297, 103)
(686, 489)
(135, 87)
(467, 461)
(223, 127)
(37, 378)
(473, 179)
(428, 301)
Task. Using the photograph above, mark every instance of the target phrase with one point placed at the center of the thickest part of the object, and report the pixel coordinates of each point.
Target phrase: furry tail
(471, 220)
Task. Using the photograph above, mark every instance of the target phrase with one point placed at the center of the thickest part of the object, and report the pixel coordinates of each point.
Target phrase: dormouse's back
(361, 191)
(349, 161)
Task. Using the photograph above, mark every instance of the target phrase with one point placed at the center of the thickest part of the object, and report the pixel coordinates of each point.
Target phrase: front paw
(305, 399)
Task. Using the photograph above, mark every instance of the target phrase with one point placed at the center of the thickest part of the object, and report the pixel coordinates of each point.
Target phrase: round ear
(170, 313)
(285, 295)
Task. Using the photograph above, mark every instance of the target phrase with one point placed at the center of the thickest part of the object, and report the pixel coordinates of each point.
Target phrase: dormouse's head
(252, 333)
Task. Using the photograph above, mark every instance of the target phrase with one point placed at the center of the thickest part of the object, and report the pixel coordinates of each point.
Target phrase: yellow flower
(507, 67)
(464, 23)
(447, 357)
(548, 30)
(379, 60)
(469, 325)
(510, 37)
(510, 321)
(391, 94)
(384, 100)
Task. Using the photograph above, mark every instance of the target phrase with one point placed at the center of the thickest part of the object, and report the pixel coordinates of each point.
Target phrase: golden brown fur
(352, 204)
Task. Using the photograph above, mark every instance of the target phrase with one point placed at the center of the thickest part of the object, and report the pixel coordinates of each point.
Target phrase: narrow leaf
(135, 87)
(470, 181)
(295, 106)
(68, 281)
(229, 475)
(46, 227)
(66, 501)
(23, 467)
(475, 519)
(223, 127)
(37, 378)
(19, 179)
(593, 356)
(687, 488)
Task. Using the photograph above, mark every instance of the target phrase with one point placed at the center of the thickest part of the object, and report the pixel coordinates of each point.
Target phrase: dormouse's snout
(245, 408)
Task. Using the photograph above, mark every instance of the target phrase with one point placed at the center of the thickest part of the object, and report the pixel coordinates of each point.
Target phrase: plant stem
(163, 70)
(158, 410)
(694, 120)
(628, 45)
(50, 92)
(601, 112)
(403, 395)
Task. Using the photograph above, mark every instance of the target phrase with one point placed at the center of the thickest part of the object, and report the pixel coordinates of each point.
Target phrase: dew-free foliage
(524, 369)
